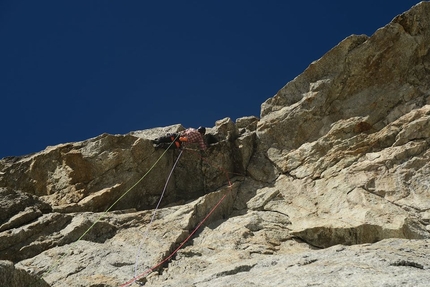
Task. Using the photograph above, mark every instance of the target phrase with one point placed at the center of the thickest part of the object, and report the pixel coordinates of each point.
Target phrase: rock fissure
(407, 263)
(236, 270)
(335, 168)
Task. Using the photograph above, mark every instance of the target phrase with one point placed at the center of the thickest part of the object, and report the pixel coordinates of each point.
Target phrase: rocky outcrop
(330, 186)
(10, 276)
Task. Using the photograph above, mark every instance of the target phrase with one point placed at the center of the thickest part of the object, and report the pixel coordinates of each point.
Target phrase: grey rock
(13, 277)
(329, 187)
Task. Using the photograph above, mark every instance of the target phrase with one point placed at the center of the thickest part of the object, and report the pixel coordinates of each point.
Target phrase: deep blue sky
(71, 70)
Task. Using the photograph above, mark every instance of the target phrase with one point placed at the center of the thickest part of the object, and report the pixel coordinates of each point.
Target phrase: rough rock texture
(10, 276)
(329, 187)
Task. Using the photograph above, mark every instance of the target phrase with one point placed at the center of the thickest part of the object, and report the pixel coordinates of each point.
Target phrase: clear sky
(72, 70)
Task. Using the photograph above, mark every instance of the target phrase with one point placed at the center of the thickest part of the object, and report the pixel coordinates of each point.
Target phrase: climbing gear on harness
(166, 141)
(176, 141)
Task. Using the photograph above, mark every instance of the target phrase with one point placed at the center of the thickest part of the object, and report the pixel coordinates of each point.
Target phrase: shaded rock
(13, 277)
(13, 203)
(92, 174)
(29, 214)
(330, 186)
(137, 244)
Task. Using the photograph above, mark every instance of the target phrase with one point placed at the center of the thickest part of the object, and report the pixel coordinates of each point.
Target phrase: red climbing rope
(151, 269)
(155, 212)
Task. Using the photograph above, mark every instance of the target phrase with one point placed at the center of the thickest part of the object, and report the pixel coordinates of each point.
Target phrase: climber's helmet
(201, 130)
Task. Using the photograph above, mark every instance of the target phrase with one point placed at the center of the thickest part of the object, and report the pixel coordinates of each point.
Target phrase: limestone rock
(330, 187)
(12, 277)
(17, 208)
(393, 262)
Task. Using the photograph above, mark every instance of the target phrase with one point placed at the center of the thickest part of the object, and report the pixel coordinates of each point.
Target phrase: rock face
(329, 187)
(9, 276)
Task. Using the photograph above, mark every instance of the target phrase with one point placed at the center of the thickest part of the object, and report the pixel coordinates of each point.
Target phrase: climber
(187, 136)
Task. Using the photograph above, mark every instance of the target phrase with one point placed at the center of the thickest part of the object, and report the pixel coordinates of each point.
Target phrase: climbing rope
(151, 269)
(52, 268)
(124, 194)
(154, 213)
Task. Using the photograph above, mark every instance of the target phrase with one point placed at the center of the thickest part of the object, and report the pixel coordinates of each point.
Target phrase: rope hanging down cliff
(153, 268)
(56, 263)
(154, 213)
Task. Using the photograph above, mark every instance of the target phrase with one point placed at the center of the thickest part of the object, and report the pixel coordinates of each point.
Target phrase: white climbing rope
(144, 236)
